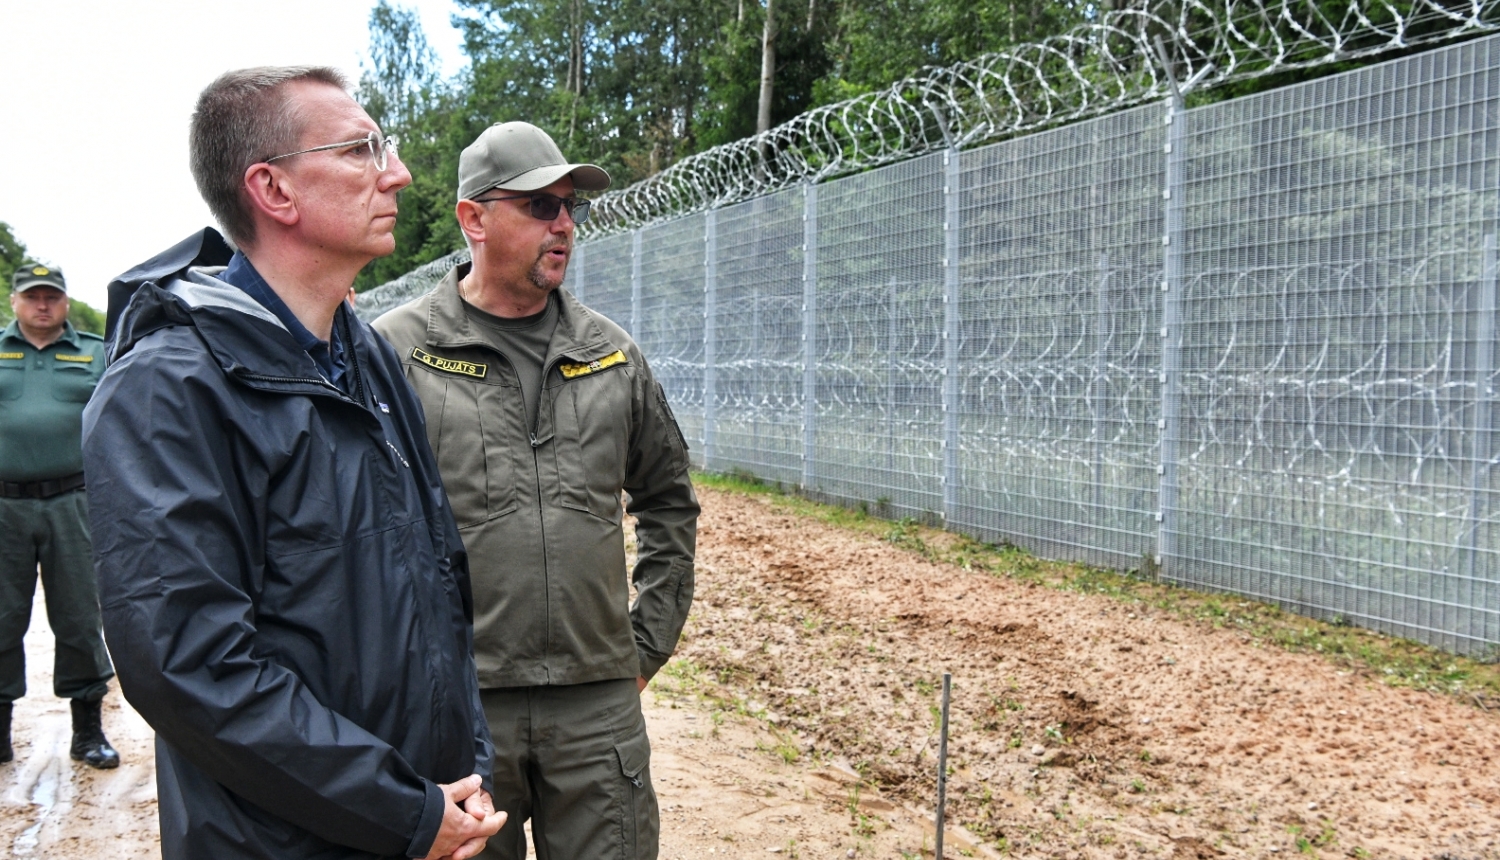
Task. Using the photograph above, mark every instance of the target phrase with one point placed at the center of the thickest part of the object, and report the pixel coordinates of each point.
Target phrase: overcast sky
(95, 97)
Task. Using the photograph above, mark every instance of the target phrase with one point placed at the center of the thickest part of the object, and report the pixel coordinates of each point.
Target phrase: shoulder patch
(80, 359)
(572, 369)
(466, 368)
(7, 355)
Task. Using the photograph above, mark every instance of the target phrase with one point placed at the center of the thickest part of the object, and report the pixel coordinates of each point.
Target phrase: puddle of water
(44, 797)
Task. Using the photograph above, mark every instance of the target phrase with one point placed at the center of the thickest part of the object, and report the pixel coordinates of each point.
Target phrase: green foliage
(12, 252)
(12, 256)
(874, 43)
(621, 86)
(402, 91)
(637, 85)
(85, 317)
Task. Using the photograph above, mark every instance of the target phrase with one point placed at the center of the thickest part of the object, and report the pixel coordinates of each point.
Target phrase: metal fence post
(635, 285)
(1171, 337)
(710, 332)
(952, 318)
(809, 332)
(1099, 389)
(1484, 344)
(579, 267)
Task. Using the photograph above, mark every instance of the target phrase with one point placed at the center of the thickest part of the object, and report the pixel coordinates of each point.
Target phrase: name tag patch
(5, 355)
(81, 359)
(467, 368)
(571, 370)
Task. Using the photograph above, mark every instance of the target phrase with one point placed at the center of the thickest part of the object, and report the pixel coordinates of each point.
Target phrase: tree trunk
(810, 6)
(575, 65)
(767, 68)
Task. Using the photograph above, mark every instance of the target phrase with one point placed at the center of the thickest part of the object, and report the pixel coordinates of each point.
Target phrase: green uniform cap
(518, 156)
(34, 275)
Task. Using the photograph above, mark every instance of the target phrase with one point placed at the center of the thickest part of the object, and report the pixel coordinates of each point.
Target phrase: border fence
(1249, 345)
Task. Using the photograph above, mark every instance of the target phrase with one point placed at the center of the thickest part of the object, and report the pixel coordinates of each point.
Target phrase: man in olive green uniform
(541, 413)
(47, 372)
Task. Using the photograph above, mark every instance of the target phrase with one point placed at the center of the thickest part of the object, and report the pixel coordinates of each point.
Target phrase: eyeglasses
(544, 207)
(380, 149)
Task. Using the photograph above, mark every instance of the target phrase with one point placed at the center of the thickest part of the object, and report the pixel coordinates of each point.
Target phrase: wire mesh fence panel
(1058, 357)
(757, 318)
(669, 319)
(418, 282)
(605, 273)
(1253, 342)
(878, 340)
(1336, 445)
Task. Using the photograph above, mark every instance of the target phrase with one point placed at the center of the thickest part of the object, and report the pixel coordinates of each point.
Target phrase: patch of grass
(1327, 836)
(907, 534)
(1393, 661)
(786, 747)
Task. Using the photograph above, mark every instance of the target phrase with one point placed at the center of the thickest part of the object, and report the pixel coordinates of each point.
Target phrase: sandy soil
(1081, 727)
(52, 806)
(799, 720)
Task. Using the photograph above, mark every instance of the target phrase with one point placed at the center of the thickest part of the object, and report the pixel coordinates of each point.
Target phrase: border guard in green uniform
(543, 413)
(48, 369)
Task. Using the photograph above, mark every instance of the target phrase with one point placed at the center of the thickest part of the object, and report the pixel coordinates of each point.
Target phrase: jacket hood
(179, 287)
(204, 248)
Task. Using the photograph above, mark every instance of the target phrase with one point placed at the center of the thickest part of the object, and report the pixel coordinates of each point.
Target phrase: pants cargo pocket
(639, 824)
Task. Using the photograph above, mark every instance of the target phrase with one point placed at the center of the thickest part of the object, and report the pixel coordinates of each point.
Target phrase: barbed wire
(1103, 66)
(1096, 68)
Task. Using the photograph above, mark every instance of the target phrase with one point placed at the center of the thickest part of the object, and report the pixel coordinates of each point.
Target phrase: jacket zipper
(541, 509)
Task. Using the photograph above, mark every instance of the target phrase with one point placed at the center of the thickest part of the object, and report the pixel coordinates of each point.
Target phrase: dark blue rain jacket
(285, 595)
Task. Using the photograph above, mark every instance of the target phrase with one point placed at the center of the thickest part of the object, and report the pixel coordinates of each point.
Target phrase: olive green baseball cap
(518, 156)
(34, 275)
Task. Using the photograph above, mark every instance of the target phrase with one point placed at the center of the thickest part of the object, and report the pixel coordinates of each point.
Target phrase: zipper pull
(534, 442)
(397, 453)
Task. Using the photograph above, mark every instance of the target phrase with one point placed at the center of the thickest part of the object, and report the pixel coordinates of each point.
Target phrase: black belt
(40, 489)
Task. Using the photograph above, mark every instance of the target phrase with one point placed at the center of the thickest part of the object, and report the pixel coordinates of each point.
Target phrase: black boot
(7, 753)
(89, 744)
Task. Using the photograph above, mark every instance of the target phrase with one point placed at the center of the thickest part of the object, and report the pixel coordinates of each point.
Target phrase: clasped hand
(465, 829)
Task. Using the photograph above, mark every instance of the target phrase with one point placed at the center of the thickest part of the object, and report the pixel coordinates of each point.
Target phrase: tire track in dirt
(1081, 724)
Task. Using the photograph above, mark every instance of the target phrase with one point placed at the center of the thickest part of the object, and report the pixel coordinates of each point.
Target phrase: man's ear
(470, 217)
(271, 193)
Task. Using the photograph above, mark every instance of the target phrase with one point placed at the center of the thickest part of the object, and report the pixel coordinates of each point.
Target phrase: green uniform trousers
(574, 760)
(53, 533)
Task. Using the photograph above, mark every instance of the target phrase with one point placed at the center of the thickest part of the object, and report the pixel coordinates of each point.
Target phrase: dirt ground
(799, 720)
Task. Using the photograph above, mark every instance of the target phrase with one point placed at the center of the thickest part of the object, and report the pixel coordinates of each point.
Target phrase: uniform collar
(577, 335)
(69, 335)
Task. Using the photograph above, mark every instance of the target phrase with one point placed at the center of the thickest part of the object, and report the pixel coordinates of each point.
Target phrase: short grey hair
(241, 118)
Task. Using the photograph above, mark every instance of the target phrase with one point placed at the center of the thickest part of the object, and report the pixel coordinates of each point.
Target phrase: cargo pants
(54, 533)
(575, 761)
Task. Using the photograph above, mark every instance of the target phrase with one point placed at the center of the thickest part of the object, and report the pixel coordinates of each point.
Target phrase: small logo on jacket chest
(449, 365)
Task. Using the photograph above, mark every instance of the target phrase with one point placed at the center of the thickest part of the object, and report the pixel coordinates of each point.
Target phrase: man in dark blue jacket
(283, 587)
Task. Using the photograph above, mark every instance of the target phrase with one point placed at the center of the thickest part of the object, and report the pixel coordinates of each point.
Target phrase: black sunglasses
(544, 207)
